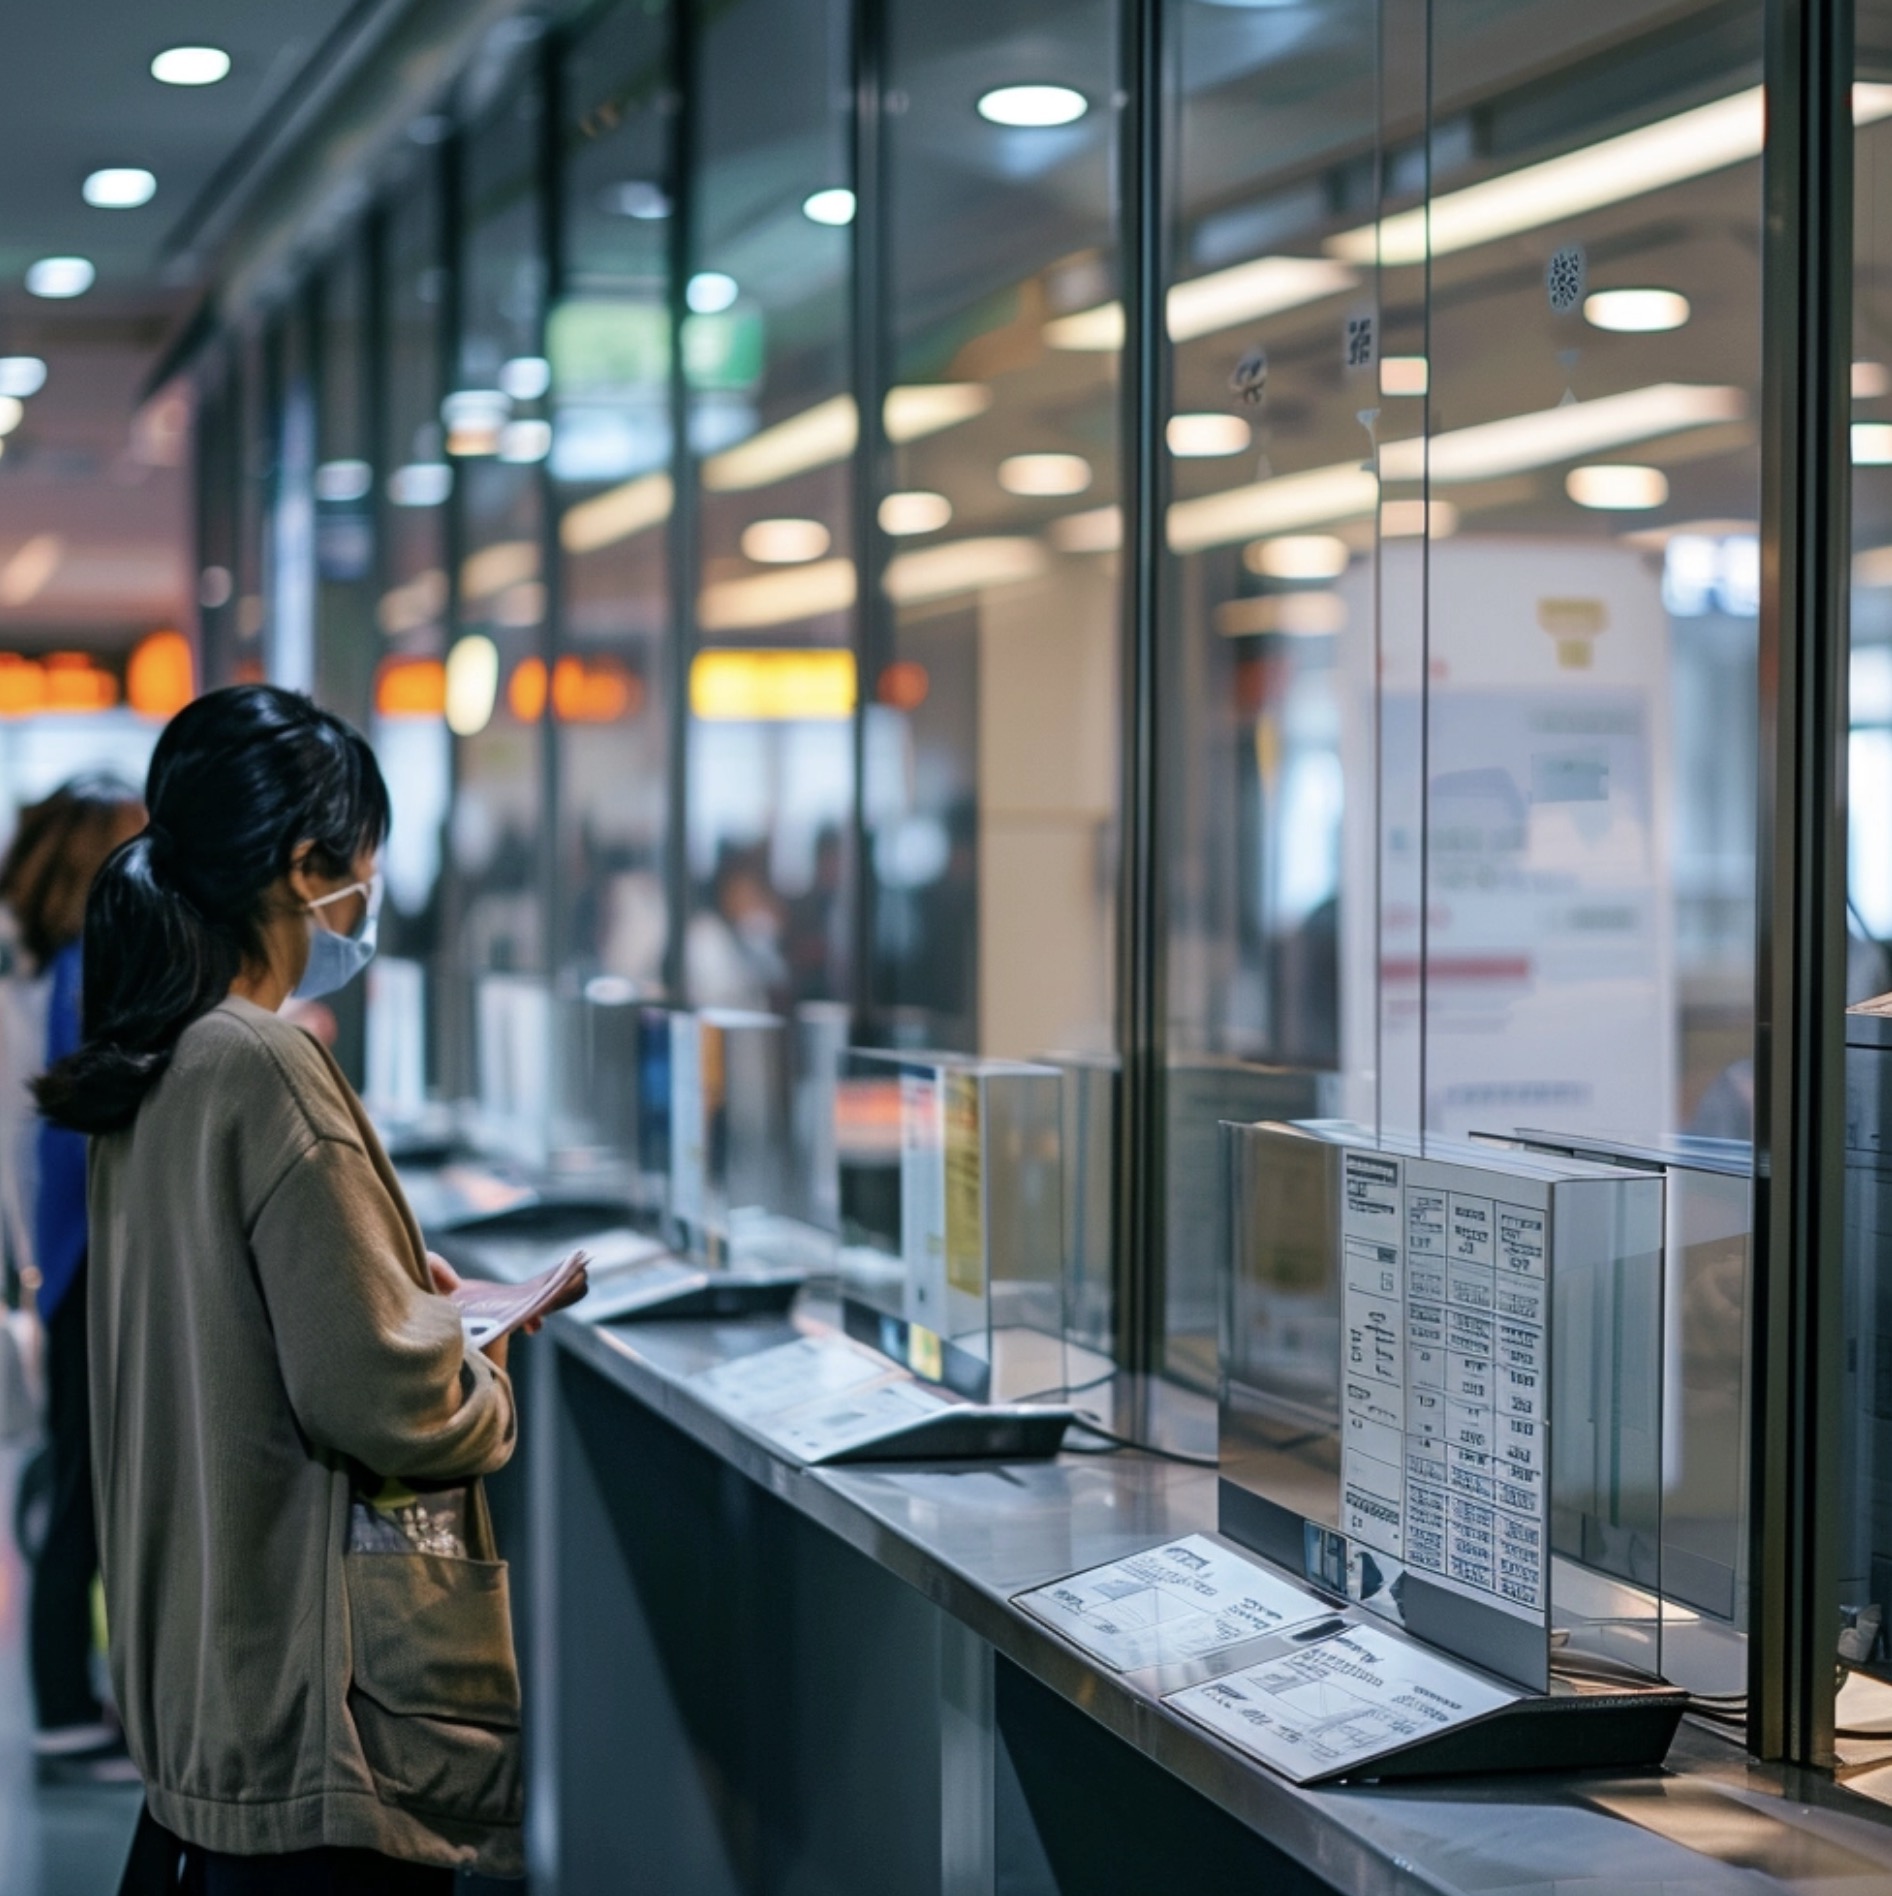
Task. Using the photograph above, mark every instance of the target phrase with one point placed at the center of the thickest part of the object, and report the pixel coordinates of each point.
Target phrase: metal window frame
(1799, 1104)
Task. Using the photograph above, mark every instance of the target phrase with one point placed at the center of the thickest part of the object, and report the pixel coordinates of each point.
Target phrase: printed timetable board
(1418, 1353)
(1443, 1390)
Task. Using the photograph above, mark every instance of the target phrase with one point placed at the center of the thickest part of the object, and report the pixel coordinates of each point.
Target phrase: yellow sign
(965, 1188)
(772, 686)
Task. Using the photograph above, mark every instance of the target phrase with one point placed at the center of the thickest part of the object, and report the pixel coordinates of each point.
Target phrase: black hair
(240, 779)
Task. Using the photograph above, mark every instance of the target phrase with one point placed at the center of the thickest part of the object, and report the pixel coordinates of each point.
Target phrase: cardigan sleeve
(375, 1366)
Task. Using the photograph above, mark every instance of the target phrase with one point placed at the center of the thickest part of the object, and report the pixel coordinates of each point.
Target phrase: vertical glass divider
(868, 367)
(551, 567)
(1137, 1254)
(1800, 961)
(684, 577)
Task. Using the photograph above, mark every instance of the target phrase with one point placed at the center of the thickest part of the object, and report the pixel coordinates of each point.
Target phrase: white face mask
(334, 959)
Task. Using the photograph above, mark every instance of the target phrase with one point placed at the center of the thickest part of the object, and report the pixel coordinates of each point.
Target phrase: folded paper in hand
(495, 1310)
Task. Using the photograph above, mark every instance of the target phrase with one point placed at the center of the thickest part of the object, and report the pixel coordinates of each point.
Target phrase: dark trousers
(60, 1622)
(160, 1865)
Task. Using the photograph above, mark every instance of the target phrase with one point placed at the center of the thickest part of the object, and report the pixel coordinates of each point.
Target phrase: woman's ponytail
(239, 781)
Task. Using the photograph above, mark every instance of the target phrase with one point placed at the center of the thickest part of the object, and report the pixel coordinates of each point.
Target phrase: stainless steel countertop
(971, 1536)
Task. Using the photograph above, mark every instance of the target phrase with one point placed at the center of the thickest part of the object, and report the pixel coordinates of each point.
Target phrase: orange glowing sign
(410, 688)
(161, 677)
(904, 685)
(62, 681)
(525, 690)
(594, 690)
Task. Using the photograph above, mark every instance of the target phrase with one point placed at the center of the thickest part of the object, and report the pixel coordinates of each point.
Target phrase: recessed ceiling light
(191, 65)
(420, 484)
(1409, 519)
(525, 378)
(60, 277)
(1202, 437)
(1298, 556)
(339, 482)
(524, 442)
(1617, 488)
(1041, 474)
(1033, 106)
(918, 511)
(119, 188)
(1872, 444)
(784, 542)
(832, 206)
(710, 292)
(1404, 375)
(12, 413)
(21, 375)
(1870, 381)
(1636, 312)
(639, 198)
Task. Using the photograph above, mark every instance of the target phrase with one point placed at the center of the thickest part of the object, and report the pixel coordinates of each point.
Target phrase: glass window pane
(772, 432)
(990, 799)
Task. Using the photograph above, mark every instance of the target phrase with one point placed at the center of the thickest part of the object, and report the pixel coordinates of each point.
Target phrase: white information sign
(923, 1198)
(1339, 1702)
(788, 1376)
(833, 1425)
(636, 1287)
(689, 1130)
(1443, 1373)
(1185, 1600)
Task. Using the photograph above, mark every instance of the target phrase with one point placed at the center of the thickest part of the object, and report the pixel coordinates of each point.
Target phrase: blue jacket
(59, 1231)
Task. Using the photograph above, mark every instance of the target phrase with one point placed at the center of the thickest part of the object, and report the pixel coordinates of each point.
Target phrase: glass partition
(989, 803)
(497, 685)
(607, 345)
(407, 1042)
(771, 431)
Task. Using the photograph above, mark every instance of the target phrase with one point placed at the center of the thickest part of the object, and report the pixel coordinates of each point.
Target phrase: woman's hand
(446, 1278)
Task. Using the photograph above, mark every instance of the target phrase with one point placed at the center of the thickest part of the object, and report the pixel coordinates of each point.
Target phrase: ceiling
(84, 466)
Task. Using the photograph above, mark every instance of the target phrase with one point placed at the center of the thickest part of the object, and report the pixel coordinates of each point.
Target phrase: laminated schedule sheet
(1185, 1600)
(1444, 1373)
(1338, 1702)
(835, 1424)
(788, 1376)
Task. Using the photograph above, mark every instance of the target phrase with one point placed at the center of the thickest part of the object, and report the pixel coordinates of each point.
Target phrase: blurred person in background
(58, 849)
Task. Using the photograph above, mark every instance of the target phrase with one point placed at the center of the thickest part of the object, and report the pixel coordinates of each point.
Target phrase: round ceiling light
(710, 292)
(916, 511)
(1636, 312)
(191, 65)
(12, 413)
(1202, 437)
(784, 542)
(59, 277)
(1039, 475)
(1298, 556)
(21, 375)
(1033, 106)
(649, 203)
(525, 378)
(1617, 488)
(833, 206)
(119, 188)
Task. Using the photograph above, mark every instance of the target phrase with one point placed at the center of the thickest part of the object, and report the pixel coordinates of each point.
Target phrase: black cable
(1121, 1442)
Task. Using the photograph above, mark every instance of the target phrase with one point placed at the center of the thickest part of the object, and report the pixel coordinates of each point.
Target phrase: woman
(309, 1631)
(56, 852)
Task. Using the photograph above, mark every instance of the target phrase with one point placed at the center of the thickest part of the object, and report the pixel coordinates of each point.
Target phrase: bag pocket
(435, 1692)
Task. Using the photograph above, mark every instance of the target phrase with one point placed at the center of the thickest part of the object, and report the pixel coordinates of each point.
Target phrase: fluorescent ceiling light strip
(494, 568)
(1320, 495)
(1519, 442)
(802, 592)
(1690, 145)
(817, 437)
(826, 433)
(617, 513)
(1202, 305)
(937, 572)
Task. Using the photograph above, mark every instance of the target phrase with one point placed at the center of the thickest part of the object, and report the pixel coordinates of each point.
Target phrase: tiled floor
(65, 1842)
